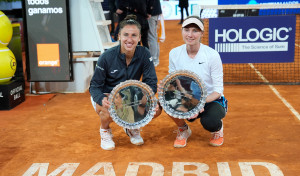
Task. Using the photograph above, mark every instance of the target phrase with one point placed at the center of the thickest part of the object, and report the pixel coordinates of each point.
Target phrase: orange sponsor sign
(48, 55)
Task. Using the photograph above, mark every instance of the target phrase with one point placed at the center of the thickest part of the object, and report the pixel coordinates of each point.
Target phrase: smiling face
(192, 35)
(129, 37)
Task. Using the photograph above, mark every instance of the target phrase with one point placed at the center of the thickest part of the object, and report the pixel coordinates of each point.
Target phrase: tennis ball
(8, 64)
(6, 30)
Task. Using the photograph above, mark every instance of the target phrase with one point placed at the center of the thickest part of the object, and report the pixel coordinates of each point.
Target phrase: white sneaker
(107, 142)
(135, 136)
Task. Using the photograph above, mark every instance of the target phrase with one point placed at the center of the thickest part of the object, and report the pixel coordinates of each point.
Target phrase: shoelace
(217, 135)
(180, 134)
(106, 136)
(135, 132)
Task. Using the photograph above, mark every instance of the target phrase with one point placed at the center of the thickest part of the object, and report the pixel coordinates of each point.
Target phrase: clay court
(58, 134)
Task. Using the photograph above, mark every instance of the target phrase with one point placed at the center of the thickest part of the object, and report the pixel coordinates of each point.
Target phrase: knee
(105, 116)
(158, 112)
(211, 125)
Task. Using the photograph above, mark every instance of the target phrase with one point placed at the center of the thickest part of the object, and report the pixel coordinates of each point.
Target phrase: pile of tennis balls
(8, 61)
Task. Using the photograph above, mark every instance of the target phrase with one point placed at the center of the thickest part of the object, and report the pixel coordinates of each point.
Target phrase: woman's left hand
(196, 115)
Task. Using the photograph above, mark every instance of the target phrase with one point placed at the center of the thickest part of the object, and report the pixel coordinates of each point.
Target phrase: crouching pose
(207, 64)
(126, 61)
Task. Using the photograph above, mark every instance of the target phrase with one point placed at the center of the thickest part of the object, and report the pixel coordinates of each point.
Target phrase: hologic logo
(252, 40)
(252, 35)
(261, 39)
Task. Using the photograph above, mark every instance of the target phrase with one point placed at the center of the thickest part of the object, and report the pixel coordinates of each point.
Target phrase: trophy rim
(146, 119)
(172, 112)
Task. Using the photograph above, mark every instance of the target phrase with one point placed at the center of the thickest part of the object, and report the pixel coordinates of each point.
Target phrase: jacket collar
(122, 55)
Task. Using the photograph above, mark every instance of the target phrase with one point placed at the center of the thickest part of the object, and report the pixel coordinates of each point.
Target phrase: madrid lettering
(178, 169)
(252, 35)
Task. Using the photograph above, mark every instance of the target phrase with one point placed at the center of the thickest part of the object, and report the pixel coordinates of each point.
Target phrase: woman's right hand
(105, 103)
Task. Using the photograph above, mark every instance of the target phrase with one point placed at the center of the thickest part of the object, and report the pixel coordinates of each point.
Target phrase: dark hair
(130, 20)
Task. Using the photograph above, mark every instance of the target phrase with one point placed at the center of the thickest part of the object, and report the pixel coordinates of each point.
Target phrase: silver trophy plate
(183, 94)
(132, 104)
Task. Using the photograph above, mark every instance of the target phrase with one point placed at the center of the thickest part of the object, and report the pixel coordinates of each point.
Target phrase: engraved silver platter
(183, 94)
(132, 104)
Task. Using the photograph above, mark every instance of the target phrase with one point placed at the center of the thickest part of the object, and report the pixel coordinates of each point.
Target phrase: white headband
(195, 21)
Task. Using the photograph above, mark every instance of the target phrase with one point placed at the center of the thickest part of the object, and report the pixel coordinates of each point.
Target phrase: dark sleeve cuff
(99, 101)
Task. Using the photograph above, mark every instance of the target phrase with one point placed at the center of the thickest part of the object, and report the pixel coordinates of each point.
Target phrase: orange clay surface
(57, 129)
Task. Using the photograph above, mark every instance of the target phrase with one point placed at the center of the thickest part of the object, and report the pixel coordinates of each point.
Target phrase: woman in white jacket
(206, 63)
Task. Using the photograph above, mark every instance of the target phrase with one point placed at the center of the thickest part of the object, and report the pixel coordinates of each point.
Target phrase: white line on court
(286, 103)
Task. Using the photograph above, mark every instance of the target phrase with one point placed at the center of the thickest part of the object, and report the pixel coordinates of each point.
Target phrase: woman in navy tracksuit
(126, 61)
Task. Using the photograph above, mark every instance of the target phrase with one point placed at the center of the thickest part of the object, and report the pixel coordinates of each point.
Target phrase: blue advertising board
(265, 11)
(262, 39)
(229, 2)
